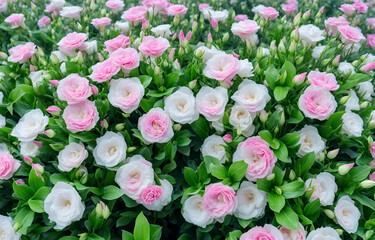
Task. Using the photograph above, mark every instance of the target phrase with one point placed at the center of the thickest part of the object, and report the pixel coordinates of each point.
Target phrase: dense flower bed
(248, 120)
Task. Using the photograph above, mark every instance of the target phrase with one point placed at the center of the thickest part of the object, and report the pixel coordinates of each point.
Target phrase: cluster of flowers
(253, 122)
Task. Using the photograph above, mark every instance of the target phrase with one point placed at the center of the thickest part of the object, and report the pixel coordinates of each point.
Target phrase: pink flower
(8, 166)
(361, 7)
(347, 9)
(72, 42)
(350, 34)
(268, 232)
(227, 138)
(370, 21)
(54, 83)
(289, 9)
(135, 14)
(81, 116)
(16, 20)
(115, 5)
(317, 103)
(213, 23)
(372, 176)
(240, 17)
(104, 71)
(74, 89)
(154, 47)
(175, 9)
(372, 150)
(245, 29)
(222, 67)
(368, 67)
(151, 194)
(333, 23)
(290, 234)
(322, 79)
(54, 110)
(156, 126)
(156, 5)
(371, 40)
(21, 53)
(211, 102)
(258, 155)
(219, 200)
(101, 23)
(268, 13)
(44, 22)
(121, 41)
(126, 58)
(203, 6)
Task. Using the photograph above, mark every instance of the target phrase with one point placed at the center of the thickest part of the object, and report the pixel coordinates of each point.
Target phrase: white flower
(71, 12)
(60, 55)
(180, 106)
(209, 52)
(122, 26)
(251, 95)
(3, 6)
(91, 47)
(265, 52)
(352, 124)
(6, 229)
(257, 8)
(134, 176)
(317, 51)
(366, 90)
(37, 77)
(59, 4)
(1, 97)
(193, 213)
(345, 68)
(241, 118)
(3, 148)
(218, 125)
(2, 121)
(326, 233)
(220, 16)
(72, 156)
(2, 75)
(214, 146)
(369, 59)
(372, 116)
(353, 102)
(110, 149)
(351, 48)
(324, 187)
(126, 93)
(63, 205)
(162, 30)
(29, 149)
(310, 34)
(246, 69)
(310, 141)
(30, 125)
(165, 198)
(347, 214)
(251, 201)
(211, 102)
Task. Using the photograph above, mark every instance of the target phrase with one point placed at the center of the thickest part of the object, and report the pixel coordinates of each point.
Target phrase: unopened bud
(371, 125)
(227, 138)
(344, 169)
(271, 177)
(176, 127)
(340, 231)
(119, 126)
(257, 69)
(333, 153)
(54, 110)
(336, 61)
(329, 213)
(100, 57)
(225, 37)
(37, 168)
(364, 105)
(367, 184)
(295, 34)
(16, 226)
(293, 47)
(281, 47)
(306, 15)
(263, 116)
(131, 149)
(106, 212)
(297, 19)
(369, 234)
(299, 60)
(344, 100)
(50, 133)
(104, 124)
(278, 190)
(99, 210)
(355, 63)
(55, 60)
(192, 84)
(322, 156)
(299, 79)
(27, 160)
(292, 175)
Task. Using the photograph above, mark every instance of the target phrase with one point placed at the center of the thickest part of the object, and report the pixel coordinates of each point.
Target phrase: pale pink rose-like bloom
(361, 7)
(151, 194)
(104, 71)
(245, 29)
(203, 6)
(295, 2)
(16, 20)
(72, 12)
(317, 103)
(21, 53)
(127, 58)
(219, 200)
(74, 89)
(44, 22)
(370, 21)
(268, 232)
(347, 9)
(368, 67)
(175, 9)
(372, 150)
(222, 67)
(81, 116)
(72, 42)
(101, 22)
(156, 126)
(240, 17)
(257, 154)
(115, 5)
(350, 34)
(211, 102)
(268, 13)
(289, 8)
(121, 41)
(8, 165)
(333, 23)
(290, 234)
(155, 5)
(152, 46)
(371, 40)
(322, 79)
(135, 14)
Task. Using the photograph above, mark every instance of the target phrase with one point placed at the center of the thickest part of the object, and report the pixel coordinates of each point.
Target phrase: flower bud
(39, 52)
(79, 58)
(326, 61)
(37, 168)
(263, 116)
(176, 127)
(281, 47)
(100, 57)
(367, 184)
(368, 67)
(295, 34)
(106, 212)
(293, 47)
(364, 105)
(333, 153)
(20, 182)
(322, 156)
(344, 169)
(277, 189)
(336, 61)
(50, 133)
(27, 160)
(259, 53)
(94, 90)
(340, 231)
(104, 124)
(209, 38)
(225, 37)
(194, 26)
(131, 149)
(192, 84)
(297, 19)
(176, 19)
(227, 138)
(369, 234)
(371, 125)
(55, 60)
(299, 60)
(3, 55)
(257, 69)
(119, 126)
(99, 210)
(292, 175)
(16, 226)
(271, 177)
(329, 213)
(355, 63)
(299, 79)
(54, 110)
(370, 141)
(306, 15)
(344, 100)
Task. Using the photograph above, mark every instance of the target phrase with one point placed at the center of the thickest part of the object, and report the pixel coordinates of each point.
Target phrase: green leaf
(282, 153)
(191, 177)
(354, 79)
(219, 171)
(126, 218)
(141, 228)
(35, 181)
(111, 192)
(312, 209)
(171, 79)
(201, 127)
(364, 200)
(24, 219)
(280, 93)
(287, 218)
(19, 91)
(146, 104)
(57, 177)
(271, 75)
(290, 70)
(127, 235)
(303, 165)
(211, 161)
(23, 191)
(71, 67)
(155, 232)
(145, 80)
(276, 202)
(183, 141)
(359, 173)
(293, 189)
(69, 238)
(36, 205)
(237, 170)
(244, 223)
(42, 193)
(266, 136)
(290, 139)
